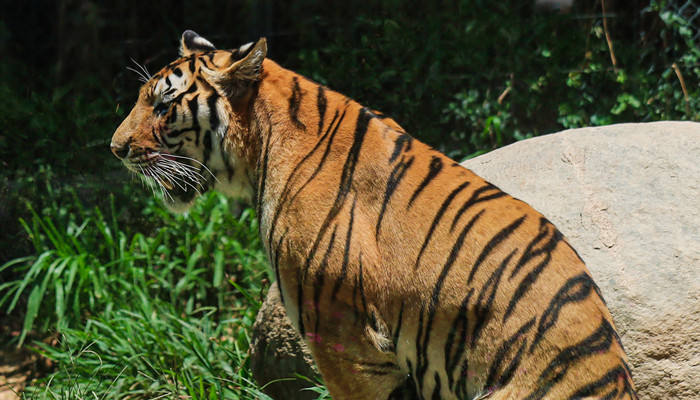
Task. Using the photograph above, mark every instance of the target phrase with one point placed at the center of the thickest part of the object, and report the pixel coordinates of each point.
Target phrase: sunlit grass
(140, 315)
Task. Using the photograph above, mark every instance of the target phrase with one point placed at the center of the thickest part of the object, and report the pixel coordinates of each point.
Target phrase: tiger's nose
(120, 151)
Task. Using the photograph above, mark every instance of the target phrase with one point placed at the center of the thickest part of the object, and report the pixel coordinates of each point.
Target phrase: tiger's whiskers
(192, 159)
(142, 72)
(167, 173)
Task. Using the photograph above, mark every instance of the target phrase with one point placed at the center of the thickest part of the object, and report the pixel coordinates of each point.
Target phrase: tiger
(408, 276)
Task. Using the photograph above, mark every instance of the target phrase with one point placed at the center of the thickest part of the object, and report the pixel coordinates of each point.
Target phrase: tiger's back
(407, 275)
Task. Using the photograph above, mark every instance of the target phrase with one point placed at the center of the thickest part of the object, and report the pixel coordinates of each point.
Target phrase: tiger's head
(189, 129)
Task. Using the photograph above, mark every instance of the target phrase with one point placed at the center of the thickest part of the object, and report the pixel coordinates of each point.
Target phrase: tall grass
(161, 314)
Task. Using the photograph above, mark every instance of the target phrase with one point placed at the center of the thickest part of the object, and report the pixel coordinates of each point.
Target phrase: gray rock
(279, 359)
(627, 197)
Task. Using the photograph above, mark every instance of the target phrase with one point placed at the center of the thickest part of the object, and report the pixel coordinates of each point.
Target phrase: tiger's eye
(161, 109)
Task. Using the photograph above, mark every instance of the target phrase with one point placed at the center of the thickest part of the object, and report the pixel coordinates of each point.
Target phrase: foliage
(502, 71)
(84, 258)
(142, 315)
(146, 348)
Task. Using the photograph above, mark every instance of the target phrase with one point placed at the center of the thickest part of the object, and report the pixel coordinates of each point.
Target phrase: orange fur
(408, 275)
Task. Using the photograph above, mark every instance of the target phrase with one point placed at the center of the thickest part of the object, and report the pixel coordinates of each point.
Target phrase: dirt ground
(16, 367)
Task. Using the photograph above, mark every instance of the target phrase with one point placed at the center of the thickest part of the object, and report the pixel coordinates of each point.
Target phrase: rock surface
(279, 359)
(627, 197)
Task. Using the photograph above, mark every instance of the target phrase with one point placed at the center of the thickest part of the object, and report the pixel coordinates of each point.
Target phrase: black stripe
(355, 304)
(575, 290)
(598, 342)
(421, 352)
(263, 179)
(225, 158)
(320, 277)
(276, 264)
(193, 106)
(528, 255)
(176, 147)
(436, 220)
(322, 105)
(213, 114)
(172, 117)
(347, 174)
(475, 198)
(618, 374)
(433, 170)
(177, 132)
(207, 141)
(406, 390)
(412, 376)
(397, 329)
(361, 286)
(178, 72)
(502, 235)
(214, 123)
(482, 308)
(617, 337)
(392, 184)
(403, 143)
(346, 254)
(361, 126)
(494, 379)
(157, 139)
(545, 230)
(437, 387)
(208, 62)
(459, 325)
(435, 297)
(461, 386)
(294, 103)
(178, 99)
(613, 376)
(285, 198)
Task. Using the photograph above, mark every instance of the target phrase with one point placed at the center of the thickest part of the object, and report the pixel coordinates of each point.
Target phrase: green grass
(164, 313)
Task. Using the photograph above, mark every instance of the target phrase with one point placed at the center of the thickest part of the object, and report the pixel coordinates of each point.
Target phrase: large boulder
(279, 359)
(627, 197)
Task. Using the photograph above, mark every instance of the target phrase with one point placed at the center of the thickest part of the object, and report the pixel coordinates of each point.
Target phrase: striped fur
(409, 276)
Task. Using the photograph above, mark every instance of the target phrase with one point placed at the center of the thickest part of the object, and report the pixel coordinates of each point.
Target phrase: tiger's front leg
(354, 351)
(346, 376)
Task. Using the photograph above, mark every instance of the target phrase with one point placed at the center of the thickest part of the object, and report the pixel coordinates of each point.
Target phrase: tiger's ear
(191, 43)
(235, 80)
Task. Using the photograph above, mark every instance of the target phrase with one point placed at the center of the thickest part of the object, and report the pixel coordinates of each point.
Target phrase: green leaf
(33, 304)
(218, 268)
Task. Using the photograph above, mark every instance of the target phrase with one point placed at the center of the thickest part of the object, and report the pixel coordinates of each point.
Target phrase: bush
(470, 76)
